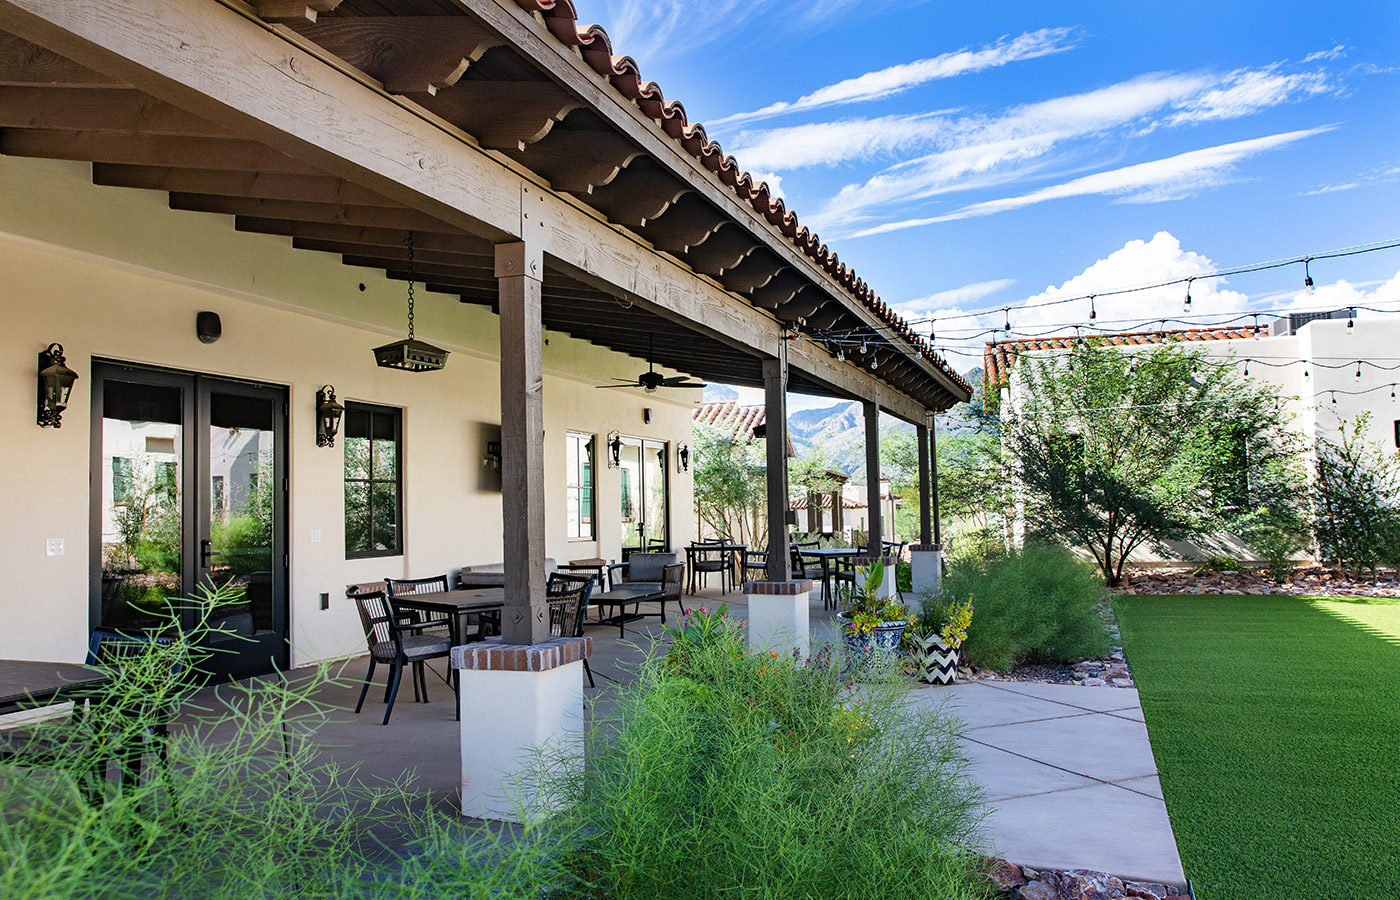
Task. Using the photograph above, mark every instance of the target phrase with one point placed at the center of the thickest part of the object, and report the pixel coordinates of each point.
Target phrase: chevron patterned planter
(938, 663)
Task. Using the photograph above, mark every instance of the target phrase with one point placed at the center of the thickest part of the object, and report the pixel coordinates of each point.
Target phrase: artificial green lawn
(1275, 722)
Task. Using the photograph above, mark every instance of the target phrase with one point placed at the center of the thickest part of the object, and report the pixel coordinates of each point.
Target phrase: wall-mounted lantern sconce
(55, 384)
(646, 415)
(682, 457)
(328, 413)
(493, 455)
(614, 449)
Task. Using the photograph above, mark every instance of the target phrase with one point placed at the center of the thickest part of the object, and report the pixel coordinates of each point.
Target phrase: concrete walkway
(1068, 772)
(1069, 776)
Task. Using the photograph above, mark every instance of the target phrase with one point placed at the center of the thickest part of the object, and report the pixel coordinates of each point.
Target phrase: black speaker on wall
(208, 327)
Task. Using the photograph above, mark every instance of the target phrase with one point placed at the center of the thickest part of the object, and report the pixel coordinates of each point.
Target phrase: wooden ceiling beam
(687, 222)
(724, 249)
(259, 185)
(803, 304)
(292, 11)
(353, 235)
(336, 213)
(150, 150)
(504, 115)
(89, 109)
(397, 254)
(23, 63)
(755, 271)
(577, 161)
(638, 194)
(410, 55)
(780, 290)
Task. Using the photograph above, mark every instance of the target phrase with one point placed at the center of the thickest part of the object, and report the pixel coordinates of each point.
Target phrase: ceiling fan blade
(631, 384)
(688, 384)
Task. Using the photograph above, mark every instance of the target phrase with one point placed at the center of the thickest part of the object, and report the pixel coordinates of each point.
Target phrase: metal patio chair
(398, 641)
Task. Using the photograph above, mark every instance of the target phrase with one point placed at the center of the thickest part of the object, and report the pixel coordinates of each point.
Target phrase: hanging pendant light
(410, 355)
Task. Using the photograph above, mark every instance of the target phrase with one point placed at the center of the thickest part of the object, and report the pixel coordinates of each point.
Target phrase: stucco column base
(889, 584)
(927, 562)
(516, 700)
(778, 615)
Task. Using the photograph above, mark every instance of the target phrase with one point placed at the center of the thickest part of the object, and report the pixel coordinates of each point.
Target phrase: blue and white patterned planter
(879, 649)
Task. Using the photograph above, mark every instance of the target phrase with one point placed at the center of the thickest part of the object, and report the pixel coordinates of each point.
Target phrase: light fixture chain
(409, 243)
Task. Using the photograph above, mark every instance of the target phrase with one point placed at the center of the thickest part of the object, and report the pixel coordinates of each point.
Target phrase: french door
(645, 495)
(189, 494)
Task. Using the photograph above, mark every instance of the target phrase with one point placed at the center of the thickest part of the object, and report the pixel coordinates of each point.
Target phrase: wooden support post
(838, 513)
(933, 480)
(519, 269)
(872, 478)
(925, 529)
(775, 378)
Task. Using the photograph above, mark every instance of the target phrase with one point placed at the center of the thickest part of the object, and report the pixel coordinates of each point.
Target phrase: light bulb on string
(1392, 392)
(863, 348)
(1246, 368)
(1186, 304)
(1334, 398)
(1307, 276)
(841, 353)
(875, 362)
(1358, 370)
(1351, 317)
(1306, 376)
(1256, 326)
(1007, 313)
(1093, 313)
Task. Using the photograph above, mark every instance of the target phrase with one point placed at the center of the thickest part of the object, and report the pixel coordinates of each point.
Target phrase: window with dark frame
(579, 465)
(372, 436)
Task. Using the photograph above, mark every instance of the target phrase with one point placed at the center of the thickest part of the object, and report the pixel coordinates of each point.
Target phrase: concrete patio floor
(1068, 772)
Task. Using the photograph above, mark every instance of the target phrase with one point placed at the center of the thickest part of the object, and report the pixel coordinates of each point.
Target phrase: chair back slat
(561, 587)
(672, 580)
(376, 617)
(403, 587)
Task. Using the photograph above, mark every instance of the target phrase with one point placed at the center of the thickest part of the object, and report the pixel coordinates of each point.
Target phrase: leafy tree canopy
(1111, 449)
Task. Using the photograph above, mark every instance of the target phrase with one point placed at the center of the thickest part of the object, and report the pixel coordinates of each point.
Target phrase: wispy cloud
(1151, 182)
(968, 293)
(1246, 92)
(1383, 175)
(1336, 52)
(895, 79)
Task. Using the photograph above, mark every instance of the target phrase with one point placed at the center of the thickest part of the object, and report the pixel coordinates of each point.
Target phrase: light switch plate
(55, 546)
(315, 535)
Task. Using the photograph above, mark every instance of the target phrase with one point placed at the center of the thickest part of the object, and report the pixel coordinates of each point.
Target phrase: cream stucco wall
(113, 274)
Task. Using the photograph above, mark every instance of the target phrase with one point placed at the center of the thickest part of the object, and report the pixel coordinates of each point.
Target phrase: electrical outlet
(325, 600)
(315, 535)
(55, 546)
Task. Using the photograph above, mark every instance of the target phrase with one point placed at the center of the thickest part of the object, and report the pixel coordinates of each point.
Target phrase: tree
(1354, 516)
(731, 493)
(1109, 449)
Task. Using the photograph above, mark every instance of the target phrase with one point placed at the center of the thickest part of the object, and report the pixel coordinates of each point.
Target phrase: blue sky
(969, 157)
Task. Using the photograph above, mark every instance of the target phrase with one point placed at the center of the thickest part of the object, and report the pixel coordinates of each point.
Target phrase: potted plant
(872, 625)
(936, 634)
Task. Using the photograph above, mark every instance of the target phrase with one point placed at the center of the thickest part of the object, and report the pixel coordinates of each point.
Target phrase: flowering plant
(865, 608)
(946, 616)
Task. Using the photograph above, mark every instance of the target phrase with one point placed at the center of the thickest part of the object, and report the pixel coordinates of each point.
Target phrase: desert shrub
(248, 806)
(724, 772)
(1037, 603)
(977, 545)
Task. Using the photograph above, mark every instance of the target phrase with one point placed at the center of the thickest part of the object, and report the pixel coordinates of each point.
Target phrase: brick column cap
(797, 586)
(495, 656)
(925, 548)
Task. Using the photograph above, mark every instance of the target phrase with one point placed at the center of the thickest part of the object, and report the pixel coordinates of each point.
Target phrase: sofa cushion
(494, 574)
(649, 566)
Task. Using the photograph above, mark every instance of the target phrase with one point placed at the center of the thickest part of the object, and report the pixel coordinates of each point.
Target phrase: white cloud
(828, 142)
(1336, 52)
(954, 296)
(1341, 294)
(895, 79)
(1383, 175)
(1150, 182)
(775, 183)
(963, 332)
(1245, 92)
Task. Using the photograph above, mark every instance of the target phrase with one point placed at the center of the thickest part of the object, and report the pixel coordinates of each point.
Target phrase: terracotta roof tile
(999, 356)
(595, 47)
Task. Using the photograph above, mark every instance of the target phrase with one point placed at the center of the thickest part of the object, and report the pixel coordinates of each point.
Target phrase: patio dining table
(459, 607)
(828, 555)
(26, 684)
(620, 597)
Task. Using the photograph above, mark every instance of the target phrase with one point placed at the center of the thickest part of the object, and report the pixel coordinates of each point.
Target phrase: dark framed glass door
(189, 489)
(645, 507)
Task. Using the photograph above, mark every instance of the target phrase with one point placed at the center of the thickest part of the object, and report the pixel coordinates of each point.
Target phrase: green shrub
(1038, 603)
(248, 807)
(724, 773)
(977, 545)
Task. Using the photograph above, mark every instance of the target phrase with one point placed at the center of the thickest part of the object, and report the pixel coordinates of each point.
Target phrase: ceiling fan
(651, 379)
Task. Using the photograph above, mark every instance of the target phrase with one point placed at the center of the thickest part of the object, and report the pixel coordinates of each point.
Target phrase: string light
(1358, 370)
(1246, 368)
(1256, 326)
(874, 362)
(1351, 317)
(1093, 313)
(1007, 312)
(1186, 304)
(1307, 277)
(863, 348)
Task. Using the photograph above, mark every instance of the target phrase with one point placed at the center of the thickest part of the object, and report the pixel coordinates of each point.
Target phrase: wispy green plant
(247, 806)
(755, 774)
